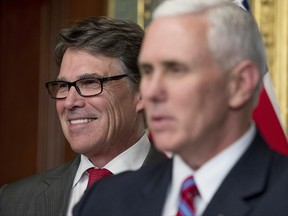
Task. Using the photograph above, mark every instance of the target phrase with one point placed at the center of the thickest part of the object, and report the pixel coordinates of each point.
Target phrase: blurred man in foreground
(202, 63)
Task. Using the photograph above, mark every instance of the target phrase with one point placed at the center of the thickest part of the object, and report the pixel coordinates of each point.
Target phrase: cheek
(200, 102)
(114, 108)
(59, 107)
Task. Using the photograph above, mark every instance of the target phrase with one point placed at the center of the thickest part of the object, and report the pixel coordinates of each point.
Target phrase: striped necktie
(188, 193)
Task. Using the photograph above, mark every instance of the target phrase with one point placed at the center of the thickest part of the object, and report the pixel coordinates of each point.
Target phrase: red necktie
(96, 174)
(188, 193)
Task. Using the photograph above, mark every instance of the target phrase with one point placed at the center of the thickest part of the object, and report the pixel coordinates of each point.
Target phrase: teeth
(81, 121)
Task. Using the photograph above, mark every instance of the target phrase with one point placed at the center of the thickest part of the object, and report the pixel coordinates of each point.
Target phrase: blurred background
(31, 140)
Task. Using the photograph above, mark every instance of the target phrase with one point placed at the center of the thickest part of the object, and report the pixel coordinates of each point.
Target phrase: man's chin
(164, 142)
(79, 148)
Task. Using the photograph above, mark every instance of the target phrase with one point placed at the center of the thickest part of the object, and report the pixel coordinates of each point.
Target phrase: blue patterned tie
(188, 192)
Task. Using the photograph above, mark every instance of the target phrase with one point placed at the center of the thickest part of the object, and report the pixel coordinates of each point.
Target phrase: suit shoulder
(30, 184)
(279, 165)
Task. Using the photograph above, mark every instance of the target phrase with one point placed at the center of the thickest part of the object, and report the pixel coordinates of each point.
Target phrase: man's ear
(244, 78)
(140, 102)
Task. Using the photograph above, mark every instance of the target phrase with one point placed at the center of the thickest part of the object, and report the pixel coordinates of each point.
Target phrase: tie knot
(189, 187)
(96, 174)
(188, 193)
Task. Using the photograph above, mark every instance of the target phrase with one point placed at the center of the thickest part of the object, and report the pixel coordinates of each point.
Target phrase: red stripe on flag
(268, 123)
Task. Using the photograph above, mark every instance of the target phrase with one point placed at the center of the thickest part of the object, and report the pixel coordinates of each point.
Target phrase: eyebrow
(165, 64)
(89, 75)
(173, 63)
(82, 76)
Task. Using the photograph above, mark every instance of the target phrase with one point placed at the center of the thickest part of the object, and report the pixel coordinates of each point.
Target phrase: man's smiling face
(99, 124)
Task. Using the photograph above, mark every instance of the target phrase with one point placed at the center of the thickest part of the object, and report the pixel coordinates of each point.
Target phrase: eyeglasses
(85, 87)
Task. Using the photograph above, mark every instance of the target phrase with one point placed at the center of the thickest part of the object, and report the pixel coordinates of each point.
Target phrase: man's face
(185, 93)
(102, 124)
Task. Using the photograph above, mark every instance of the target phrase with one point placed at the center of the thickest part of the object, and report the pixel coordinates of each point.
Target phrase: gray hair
(233, 35)
(115, 38)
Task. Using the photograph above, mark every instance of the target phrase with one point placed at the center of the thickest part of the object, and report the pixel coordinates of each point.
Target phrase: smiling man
(101, 113)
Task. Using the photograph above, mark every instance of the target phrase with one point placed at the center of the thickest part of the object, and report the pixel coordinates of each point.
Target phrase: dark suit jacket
(46, 193)
(257, 185)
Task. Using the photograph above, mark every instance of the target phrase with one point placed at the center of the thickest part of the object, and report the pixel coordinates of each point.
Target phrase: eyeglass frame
(74, 84)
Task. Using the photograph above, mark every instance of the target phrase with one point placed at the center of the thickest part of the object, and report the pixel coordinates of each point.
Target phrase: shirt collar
(85, 164)
(211, 174)
(131, 159)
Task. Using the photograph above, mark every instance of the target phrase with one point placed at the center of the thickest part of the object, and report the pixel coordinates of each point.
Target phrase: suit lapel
(58, 187)
(245, 181)
(154, 192)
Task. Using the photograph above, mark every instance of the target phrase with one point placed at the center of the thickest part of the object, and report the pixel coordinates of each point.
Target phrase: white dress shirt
(131, 159)
(208, 177)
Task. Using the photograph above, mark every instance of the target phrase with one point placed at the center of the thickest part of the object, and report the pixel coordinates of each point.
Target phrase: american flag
(267, 114)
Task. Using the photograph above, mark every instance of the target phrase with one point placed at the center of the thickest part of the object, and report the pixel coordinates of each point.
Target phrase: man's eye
(175, 69)
(62, 85)
(146, 71)
(90, 83)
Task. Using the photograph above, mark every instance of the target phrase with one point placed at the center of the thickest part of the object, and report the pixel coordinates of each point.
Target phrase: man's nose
(73, 99)
(153, 89)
